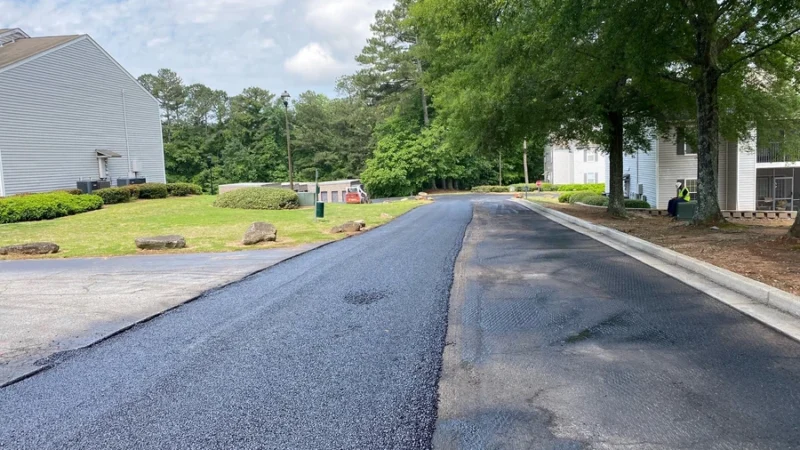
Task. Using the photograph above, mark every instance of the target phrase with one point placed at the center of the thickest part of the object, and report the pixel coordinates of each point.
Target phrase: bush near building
(258, 198)
(597, 188)
(152, 190)
(183, 189)
(46, 206)
(112, 196)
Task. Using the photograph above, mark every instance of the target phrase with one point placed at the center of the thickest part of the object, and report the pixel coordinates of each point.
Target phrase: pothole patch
(364, 297)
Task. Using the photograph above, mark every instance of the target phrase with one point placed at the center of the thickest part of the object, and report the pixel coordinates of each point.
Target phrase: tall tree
(168, 88)
(750, 41)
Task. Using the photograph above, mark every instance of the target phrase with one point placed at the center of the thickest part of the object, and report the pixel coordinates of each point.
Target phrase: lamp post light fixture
(285, 97)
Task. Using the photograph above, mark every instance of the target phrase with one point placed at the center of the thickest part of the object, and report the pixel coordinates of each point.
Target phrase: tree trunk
(426, 119)
(433, 184)
(450, 184)
(707, 93)
(500, 169)
(457, 185)
(795, 230)
(616, 196)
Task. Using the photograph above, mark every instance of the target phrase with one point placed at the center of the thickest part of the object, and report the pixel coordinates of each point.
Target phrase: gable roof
(3, 30)
(25, 48)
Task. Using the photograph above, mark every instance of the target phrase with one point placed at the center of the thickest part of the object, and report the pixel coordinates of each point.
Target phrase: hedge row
(258, 198)
(46, 206)
(590, 198)
(147, 191)
(597, 188)
(486, 189)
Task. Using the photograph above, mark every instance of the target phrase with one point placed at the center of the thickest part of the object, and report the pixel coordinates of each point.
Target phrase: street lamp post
(285, 97)
(525, 165)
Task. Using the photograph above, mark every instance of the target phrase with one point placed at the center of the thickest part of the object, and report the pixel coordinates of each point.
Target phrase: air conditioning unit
(128, 181)
(89, 186)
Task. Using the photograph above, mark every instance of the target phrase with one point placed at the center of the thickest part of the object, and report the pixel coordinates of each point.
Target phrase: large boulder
(349, 227)
(32, 248)
(260, 232)
(161, 242)
(352, 227)
(361, 222)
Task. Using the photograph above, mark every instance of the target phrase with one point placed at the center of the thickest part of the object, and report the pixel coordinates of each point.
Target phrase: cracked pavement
(558, 341)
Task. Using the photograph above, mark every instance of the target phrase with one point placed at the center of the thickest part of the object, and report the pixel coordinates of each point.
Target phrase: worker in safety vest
(683, 196)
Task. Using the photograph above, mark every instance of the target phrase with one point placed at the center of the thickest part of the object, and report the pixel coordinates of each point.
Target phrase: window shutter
(585, 155)
(681, 145)
(584, 178)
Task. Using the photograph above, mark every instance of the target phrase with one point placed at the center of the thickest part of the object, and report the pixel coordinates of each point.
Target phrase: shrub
(133, 190)
(595, 200)
(46, 206)
(637, 204)
(183, 189)
(258, 198)
(152, 190)
(486, 189)
(113, 196)
(72, 191)
(579, 196)
(597, 188)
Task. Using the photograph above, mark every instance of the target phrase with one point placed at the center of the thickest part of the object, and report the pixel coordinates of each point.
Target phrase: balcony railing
(775, 154)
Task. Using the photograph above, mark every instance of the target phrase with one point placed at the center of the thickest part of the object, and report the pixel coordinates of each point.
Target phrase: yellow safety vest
(685, 195)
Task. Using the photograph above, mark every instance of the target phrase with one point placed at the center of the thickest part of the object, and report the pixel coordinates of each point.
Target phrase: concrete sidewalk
(50, 306)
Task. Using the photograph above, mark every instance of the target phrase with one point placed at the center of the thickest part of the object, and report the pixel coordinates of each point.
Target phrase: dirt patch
(757, 249)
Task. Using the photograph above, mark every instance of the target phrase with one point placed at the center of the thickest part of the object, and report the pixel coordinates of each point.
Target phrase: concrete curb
(723, 280)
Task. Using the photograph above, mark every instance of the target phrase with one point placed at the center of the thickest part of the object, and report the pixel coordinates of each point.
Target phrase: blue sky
(226, 44)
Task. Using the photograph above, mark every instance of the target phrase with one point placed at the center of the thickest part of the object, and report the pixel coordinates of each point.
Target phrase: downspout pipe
(127, 141)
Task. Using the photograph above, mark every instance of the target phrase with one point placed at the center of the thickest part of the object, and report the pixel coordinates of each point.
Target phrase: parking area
(51, 306)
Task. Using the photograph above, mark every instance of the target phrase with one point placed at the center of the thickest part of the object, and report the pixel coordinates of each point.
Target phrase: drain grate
(364, 297)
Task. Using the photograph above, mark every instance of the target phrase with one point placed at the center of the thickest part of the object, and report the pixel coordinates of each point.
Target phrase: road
(550, 340)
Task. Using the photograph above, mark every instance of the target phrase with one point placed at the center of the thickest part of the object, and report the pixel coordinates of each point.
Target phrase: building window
(323, 196)
(691, 185)
(683, 147)
(590, 177)
(335, 196)
(591, 156)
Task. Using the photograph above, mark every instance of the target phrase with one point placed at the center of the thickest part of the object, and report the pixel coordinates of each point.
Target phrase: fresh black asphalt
(562, 343)
(339, 348)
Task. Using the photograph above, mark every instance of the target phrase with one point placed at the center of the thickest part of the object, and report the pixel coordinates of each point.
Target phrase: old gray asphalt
(560, 342)
(557, 341)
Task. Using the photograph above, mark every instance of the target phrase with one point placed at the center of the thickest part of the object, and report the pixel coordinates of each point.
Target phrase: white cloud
(344, 22)
(226, 44)
(314, 63)
(155, 42)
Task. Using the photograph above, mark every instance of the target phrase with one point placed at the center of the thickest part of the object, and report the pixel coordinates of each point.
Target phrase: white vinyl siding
(746, 175)
(574, 164)
(59, 108)
(643, 173)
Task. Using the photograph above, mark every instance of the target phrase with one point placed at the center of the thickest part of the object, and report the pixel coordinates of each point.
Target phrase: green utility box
(320, 210)
(306, 198)
(686, 211)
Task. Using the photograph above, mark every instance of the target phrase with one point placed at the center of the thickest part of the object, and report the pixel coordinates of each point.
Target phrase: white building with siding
(69, 112)
(573, 163)
(652, 175)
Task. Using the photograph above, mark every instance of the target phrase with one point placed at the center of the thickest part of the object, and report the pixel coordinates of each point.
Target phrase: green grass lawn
(112, 230)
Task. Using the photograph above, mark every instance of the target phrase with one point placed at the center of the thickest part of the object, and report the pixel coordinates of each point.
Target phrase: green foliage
(133, 190)
(152, 190)
(258, 198)
(597, 188)
(490, 189)
(183, 189)
(73, 191)
(579, 196)
(46, 206)
(113, 196)
(595, 200)
(640, 204)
